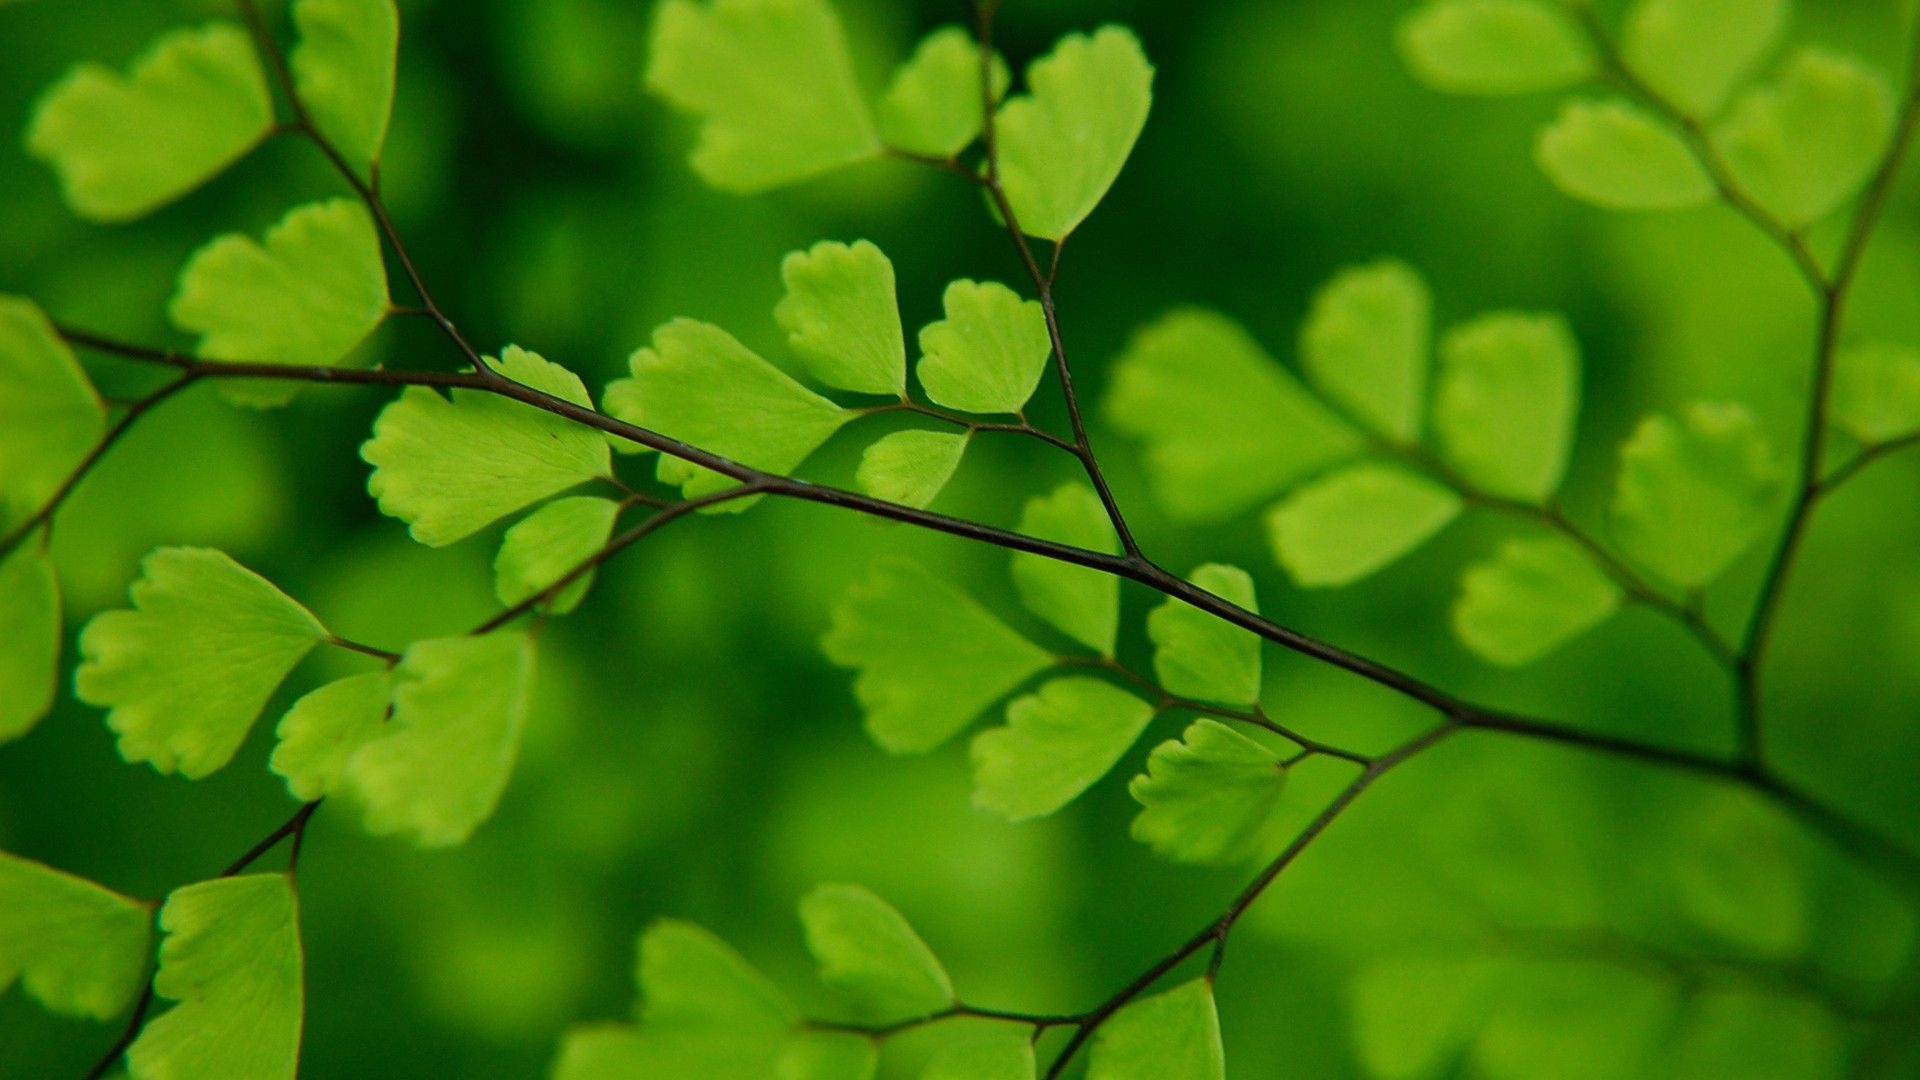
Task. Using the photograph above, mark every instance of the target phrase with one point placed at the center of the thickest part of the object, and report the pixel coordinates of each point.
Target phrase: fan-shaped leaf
(870, 955)
(1696, 51)
(1207, 796)
(233, 961)
(451, 466)
(439, 767)
(1365, 345)
(76, 947)
(932, 104)
(29, 638)
(1614, 155)
(186, 672)
(306, 297)
(1057, 742)
(1533, 597)
(910, 467)
(1494, 46)
(843, 318)
(772, 85)
(123, 146)
(1170, 1036)
(343, 69)
(1876, 392)
(1201, 656)
(1063, 143)
(546, 545)
(987, 355)
(1224, 426)
(1412, 1014)
(1006, 1058)
(1805, 144)
(1080, 602)
(324, 728)
(50, 416)
(1508, 394)
(1354, 522)
(1694, 493)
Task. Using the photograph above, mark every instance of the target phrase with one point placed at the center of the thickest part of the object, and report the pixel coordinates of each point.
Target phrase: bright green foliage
(1082, 603)
(827, 1055)
(50, 416)
(232, 959)
(1208, 795)
(1531, 598)
(187, 671)
(29, 638)
(1738, 1035)
(1509, 390)
(547, 544)
(79, 949)
(1805, 144)
(1005, 1058)
(343, 69)
(1201, 656)
(306, 297)
(1414, 1014)
(1494, 46)
(772, 84)
(1365, 345)
(1057, 742)
(843, 317)
(451, 466)
(439, 766)
(932, 104)
(1170, 1036)
(1615, 155)
(1606, 1019)
(1694, 493)
(1344, 527)
(1694, 52)
(324, 728)
(930, 659)
(1224, 425)
(699, 385)
(1876, 392)
(1063, 143)
(870, 955)
(986, 356)
(910, 467)
(123, 146)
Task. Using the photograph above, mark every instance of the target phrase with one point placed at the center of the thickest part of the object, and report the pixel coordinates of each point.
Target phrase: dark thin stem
(1841, 476)
(365, 650)
(122, 1042)
(945, 417)
(1038, 1021)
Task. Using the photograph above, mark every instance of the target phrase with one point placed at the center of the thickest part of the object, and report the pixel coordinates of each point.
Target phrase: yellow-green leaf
(1354, 522)
(29, 638)
(1615, 155)
(1694, 52)
(871, 956)
(1531, 598)
(1201, 656)
(78, 948)
(50, 415)
(1055, 744)
(343, 69)
(843, 318)
(546, 545)
(910, 467)
(1494, 46)
(324, 728)
(1365, 345)
(1207, 796)
(932, 105)
(1170, 1036)
(987, 355)
(1876, 392)
(1694, 493)
(1806, 143)
(1080, 602)
(1504, 409)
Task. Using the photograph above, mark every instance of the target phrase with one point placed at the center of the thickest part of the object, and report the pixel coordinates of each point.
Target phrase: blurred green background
(694, 756)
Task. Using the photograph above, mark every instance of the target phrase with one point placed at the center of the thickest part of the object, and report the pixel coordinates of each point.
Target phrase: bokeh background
(693, 754)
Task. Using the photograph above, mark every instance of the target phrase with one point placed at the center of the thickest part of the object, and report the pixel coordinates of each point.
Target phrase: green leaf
(450, 467)
(1004, 1058)
(1062, 145)
(987, 355)
(192, 104)
(772, 84)
(1170, 1036)
(29, 638)
(1876, 392)
(1080, 602)
(843, 318)
(50, 416)
(1365, 345)
(1508, 395)
(827, 1055)
(1354, 522)
(324, 728)
(79, 949)
(1742, 1034)
(1225, 427)
(1531, 598)
(932, 104)
(1694, 493)
(1614, 155)
(1805, 144)
(1413, 1015)
(307, 297)
(186, 672)
(546, 545)
(1056, 743)
(1581, 1019)
(910, 467)
(233, 961)
(439, 766)
(1494, 47)
(870, 955)
(1207, 796)
(343, 69)
(1694, 52)
(1204, 657)
(697, 384)
(930, 658)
